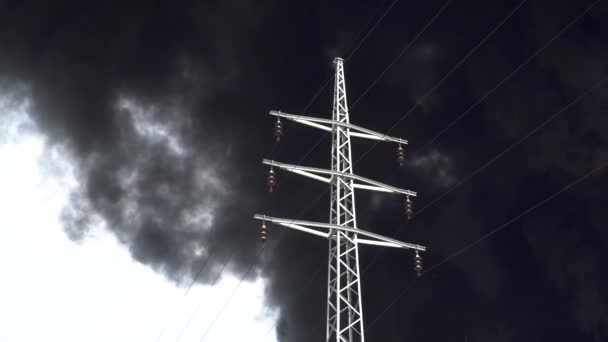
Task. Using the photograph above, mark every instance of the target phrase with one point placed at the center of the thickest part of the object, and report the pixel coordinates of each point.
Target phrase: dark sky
(211, 70)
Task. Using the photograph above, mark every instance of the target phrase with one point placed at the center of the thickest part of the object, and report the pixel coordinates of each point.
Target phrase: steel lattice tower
(344, 304)
(344, 316)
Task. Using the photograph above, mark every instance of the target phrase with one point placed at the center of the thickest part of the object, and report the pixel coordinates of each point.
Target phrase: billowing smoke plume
(162, 109)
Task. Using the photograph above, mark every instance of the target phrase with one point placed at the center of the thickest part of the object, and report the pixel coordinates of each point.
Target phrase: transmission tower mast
(344, 305)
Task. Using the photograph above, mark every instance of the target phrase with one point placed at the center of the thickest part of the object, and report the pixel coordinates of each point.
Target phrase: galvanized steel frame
(344, 297)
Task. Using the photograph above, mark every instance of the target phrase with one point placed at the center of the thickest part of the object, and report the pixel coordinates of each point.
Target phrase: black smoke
(162, 107)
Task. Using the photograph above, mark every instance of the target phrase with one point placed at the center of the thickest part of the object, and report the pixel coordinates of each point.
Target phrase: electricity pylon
(344, 305)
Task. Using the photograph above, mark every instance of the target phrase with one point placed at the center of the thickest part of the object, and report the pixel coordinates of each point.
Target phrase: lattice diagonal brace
(344, 307)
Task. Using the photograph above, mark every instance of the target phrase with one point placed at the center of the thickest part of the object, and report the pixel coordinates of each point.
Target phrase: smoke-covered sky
(162, 108)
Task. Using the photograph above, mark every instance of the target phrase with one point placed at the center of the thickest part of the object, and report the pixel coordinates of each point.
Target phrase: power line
(373, 28)
(511, 74)
(217, 277)
(344, 304)
(544, 123)
(258, 254)
(187, 291)
(403, 50)
(450, 72)
(487, 235)
(329, 79)
(499, 155)
(446, 4)
(527, 211)
(281, 234)
(439, 83)
(229, 298)
(310, 103)
(406, 47)
(441, 9)
(242, 278)
(515, 144)
(312, 100)
(541, 125)
(443, 79)
(491, 161)
(308, 284)
(446, 76)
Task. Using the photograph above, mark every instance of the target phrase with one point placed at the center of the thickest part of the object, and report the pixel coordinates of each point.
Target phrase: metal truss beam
(304, 226)
(312, 172)
(355, 131)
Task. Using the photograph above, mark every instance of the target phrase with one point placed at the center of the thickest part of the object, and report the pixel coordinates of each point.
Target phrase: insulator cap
(400, 155)
(278, 129)
(418, 264)
(271, 180)
(263, 232)
(409, 209)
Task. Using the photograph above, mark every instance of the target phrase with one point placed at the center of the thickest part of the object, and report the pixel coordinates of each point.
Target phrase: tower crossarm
(326, 176)
(326, 125)
(309, 227)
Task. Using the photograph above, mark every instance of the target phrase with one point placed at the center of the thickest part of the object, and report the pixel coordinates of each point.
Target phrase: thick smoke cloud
(132, 97)
(162, 109)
